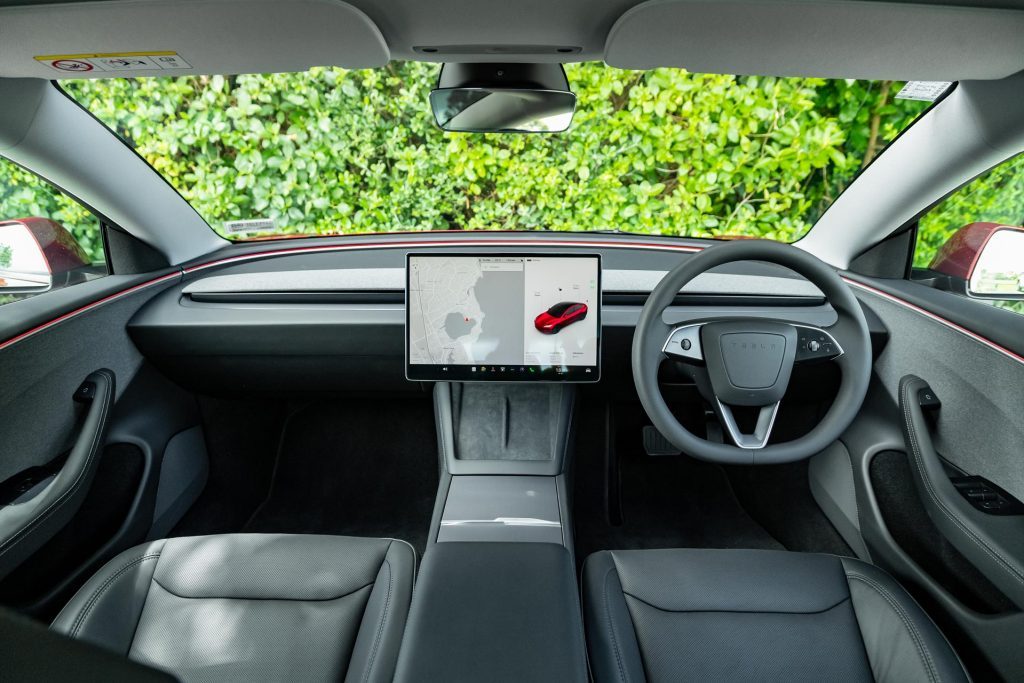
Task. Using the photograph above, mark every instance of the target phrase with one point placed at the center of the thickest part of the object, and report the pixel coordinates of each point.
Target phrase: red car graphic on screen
(560, 316)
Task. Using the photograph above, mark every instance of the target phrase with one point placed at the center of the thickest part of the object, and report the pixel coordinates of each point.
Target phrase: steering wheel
(748, 361)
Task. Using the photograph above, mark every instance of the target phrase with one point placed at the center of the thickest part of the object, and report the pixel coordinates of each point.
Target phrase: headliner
(979, 39)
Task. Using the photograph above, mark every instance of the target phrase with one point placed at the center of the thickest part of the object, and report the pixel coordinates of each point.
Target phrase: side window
(47, 239)
(975, 237)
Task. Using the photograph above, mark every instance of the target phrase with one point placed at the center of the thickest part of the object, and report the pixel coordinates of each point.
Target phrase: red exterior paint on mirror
(60, 249)
(959, 255)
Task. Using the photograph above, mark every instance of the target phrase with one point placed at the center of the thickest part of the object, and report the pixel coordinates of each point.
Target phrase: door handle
(26, 524)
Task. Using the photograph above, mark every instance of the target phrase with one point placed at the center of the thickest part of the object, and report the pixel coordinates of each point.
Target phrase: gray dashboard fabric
(382, 279)
(495, 612)
(662, 615)
(252, 607)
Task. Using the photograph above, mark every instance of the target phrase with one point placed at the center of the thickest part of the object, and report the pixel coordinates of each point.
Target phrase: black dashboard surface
(333, 321)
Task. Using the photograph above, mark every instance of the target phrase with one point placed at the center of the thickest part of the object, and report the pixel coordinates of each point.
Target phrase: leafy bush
(336, 151)
(23, 194)
(996, 196)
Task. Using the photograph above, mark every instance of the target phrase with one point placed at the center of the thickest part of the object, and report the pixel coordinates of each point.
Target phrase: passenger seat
(252, 607)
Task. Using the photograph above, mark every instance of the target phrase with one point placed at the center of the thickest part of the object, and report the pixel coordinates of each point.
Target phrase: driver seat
(755, 615)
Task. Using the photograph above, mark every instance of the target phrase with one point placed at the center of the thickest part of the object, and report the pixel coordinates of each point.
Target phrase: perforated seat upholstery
(252, 607)
(755, 615)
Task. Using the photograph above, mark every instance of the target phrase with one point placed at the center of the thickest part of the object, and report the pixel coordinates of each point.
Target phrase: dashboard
(333, 318)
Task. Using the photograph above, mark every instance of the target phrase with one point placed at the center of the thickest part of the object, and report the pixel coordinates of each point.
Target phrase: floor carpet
(653, 501)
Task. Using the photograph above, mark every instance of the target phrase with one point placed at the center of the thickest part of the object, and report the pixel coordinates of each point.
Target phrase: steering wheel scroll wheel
(748, 361)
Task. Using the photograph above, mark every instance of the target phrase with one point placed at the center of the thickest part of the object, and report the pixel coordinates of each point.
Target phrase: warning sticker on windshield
(253, 225)
(925, 91)
(115, 61)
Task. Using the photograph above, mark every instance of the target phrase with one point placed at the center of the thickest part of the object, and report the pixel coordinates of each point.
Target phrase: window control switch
(987, 497)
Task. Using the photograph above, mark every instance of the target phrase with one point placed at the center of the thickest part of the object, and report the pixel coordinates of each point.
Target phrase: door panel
(40, 374)
(994, 543)
(921, 533)
(979, 428)
(44, 507)
(39, 423)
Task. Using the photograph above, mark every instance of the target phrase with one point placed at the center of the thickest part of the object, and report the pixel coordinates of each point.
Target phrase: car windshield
(663, 152)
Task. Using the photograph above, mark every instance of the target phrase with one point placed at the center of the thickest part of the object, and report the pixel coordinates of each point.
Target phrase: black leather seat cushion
(252, 607)
(755, 615)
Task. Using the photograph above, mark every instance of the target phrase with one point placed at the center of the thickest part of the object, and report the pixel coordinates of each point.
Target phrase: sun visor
(843, 39)
(180, 37)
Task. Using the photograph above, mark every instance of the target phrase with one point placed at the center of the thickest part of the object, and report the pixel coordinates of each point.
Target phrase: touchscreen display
(503, 317)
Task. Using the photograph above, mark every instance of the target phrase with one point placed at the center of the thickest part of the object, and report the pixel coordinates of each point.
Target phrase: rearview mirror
(32, 252)
(503, 98)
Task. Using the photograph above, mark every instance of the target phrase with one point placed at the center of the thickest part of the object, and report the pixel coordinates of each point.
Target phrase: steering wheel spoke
(683, 344)
(755, 440)
(815, 345)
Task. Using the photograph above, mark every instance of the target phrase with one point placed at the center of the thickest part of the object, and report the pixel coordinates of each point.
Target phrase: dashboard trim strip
(937, 318)
(426, 242)
(87, 307)
(606, 244)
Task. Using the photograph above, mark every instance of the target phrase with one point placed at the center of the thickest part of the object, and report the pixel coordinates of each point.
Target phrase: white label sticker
(124, 63)
(253, 225)
(925, 91)
(171, 61)
(115, 61)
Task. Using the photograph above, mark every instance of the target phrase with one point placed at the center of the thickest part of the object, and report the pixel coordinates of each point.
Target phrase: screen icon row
(520, 369)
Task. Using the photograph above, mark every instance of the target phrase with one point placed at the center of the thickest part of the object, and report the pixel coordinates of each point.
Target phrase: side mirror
(987, 258)
(502, 98)
(36, 255)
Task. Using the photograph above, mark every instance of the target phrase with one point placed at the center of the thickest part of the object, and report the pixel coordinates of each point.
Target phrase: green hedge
(660, 152)
(997, 196)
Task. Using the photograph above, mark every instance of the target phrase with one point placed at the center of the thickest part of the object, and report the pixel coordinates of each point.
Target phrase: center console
(504, 337)
(504, 448)
(497, 596)
(494, 612)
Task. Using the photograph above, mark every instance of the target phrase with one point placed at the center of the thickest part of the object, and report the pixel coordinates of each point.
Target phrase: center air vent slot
(301, 297)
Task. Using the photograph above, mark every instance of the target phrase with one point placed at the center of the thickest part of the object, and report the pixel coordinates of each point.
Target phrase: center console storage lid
(494, 612)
